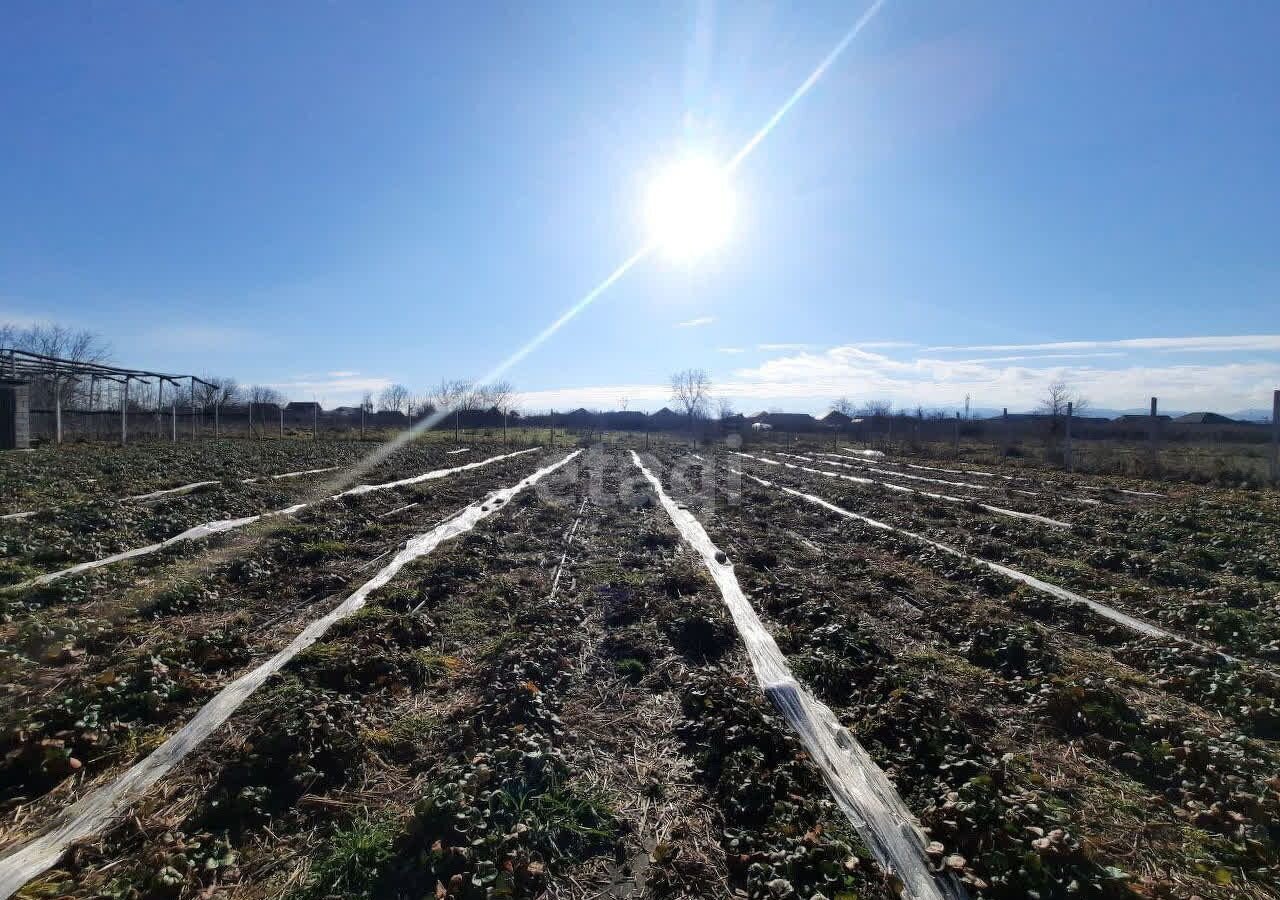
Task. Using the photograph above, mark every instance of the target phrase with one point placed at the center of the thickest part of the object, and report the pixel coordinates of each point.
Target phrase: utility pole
(57, 408)
(1155, 436)
(1066, 451)
(124, 412)
(1275, 438)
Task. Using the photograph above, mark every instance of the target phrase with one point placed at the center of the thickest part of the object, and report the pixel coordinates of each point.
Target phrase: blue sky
(330, 197)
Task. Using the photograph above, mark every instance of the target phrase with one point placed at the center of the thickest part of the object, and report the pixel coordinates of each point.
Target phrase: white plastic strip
(459, 450)
(866, 467)
(858, 785)
(1107, 612)
(93, 812)
(936, 469)
(182, 489)
(297, 474)
(902, 489)
(185, 489)
(1084, 487)
(223, 525)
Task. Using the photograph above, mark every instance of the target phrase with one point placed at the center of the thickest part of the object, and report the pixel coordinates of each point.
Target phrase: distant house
(791, 421)
(346, 412)
(666, 418)
(626, 420)
(1137, 419)
(761, 426)
(836, 419)
(300, 407)
(1204, 418)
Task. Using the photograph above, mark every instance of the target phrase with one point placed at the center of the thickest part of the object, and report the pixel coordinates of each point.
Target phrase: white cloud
(333, 391)
(731, 349)
(1203, 344)
(696, 323)
(635, 396)
(809, 380)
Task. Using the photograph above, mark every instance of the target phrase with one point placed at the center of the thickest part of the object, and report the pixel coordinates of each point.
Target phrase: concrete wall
(15, 415)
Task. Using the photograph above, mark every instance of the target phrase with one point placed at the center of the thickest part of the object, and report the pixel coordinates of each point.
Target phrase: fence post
(1155, 436)
(1275, 438)
(315, 420)
(124, 412)
(282, 421)
(1067, 446)
(362, 421)
(193, 407)
(174, 413)
(216, 418)
(1004, 416)
(957, 441)
(93, 394)
(57, 409)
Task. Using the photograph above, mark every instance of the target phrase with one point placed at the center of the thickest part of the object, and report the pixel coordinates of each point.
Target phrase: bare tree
(724, 408)
(844, 406)
(366, 401)
(1056, 397)
(420, 406)
(876, 408)
(261, 393)
(75, 345)
(455, 395)
(394, 398)
(691, 390)
(217, 390)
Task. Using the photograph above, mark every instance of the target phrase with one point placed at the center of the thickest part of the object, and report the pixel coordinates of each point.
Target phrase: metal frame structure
(23, 364)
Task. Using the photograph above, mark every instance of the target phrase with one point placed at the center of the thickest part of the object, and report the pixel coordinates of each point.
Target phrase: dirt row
(1033, 740)
(102, 666)
(1201, 578)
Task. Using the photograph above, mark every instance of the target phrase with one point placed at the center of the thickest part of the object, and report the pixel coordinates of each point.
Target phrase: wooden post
(124, 412)
(93, 393)
(1275, 438)
(1066, 449)
(1155, 435)
(282, 421)
(504, 428)
(315, 419)
(251, 417)
(193, 407)
(1004, 416)
(175, 413)
(57, 409)
(362, 421)
(957, 438)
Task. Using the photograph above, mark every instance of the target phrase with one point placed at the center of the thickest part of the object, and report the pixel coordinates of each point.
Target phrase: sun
(689, 208)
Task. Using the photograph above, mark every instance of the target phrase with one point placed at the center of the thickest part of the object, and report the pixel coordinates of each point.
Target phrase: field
(613, 670)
